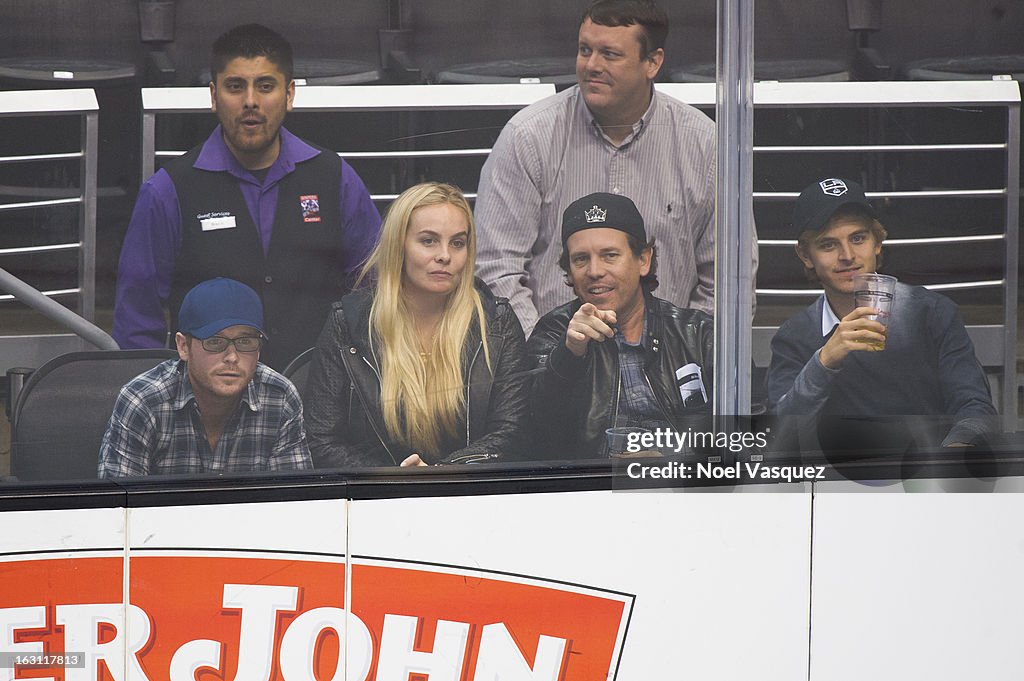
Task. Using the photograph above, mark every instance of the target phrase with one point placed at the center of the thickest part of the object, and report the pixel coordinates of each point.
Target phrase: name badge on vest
(214, 221)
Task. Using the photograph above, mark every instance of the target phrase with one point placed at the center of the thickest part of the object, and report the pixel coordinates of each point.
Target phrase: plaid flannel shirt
(155, 428)
(638, 407)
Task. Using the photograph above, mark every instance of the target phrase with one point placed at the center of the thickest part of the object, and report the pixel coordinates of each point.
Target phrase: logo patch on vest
(310, 204)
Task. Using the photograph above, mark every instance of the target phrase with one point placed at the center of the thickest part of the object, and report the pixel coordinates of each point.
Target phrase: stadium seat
(973, 67)
(789, 70)
(297, 370)
(63, 410)
(325, 71)
(558, 70)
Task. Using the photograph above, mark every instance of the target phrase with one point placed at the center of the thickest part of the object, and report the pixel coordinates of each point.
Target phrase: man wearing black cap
(826, 360)
(616, 355)
(214, 410)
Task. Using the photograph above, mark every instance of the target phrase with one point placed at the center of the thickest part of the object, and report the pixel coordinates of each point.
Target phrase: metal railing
(32, 350)
(350, 99)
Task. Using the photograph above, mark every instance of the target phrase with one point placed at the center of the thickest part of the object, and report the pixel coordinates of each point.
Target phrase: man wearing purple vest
(253, 203)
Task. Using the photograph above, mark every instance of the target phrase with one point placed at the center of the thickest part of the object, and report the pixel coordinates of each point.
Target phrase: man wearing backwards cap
(217, 409)
(616, 355)
(822, 362)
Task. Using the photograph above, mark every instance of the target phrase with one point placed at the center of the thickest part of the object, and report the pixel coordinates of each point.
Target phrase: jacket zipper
(475, 457)
(664, 412)
(618, 390)
(469, 382)
(380, 384)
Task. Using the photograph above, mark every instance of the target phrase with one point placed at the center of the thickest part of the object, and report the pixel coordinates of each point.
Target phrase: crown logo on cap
(833, 186)
(595, 214)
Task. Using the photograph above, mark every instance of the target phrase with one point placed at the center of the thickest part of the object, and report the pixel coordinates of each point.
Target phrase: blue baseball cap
(214, 305)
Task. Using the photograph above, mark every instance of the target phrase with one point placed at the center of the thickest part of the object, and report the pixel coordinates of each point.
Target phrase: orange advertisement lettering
(262, 616)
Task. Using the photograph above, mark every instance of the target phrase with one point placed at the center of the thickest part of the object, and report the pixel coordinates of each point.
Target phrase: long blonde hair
(413, 414)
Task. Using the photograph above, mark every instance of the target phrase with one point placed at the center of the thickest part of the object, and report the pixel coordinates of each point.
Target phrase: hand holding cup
(875, 291)
(859, 331)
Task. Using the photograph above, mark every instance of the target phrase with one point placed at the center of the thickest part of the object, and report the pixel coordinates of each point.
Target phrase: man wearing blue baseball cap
(217, 408)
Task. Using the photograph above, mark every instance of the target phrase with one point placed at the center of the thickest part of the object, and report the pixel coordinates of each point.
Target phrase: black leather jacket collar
(345, 422)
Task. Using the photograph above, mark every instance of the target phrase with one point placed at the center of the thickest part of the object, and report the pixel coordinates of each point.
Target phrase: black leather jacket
(575, 398)
(344, 422)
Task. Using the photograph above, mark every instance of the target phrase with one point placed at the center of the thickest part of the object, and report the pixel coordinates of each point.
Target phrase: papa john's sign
(262, 616)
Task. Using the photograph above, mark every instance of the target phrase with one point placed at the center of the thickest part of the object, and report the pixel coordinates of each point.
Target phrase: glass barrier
(938, 163)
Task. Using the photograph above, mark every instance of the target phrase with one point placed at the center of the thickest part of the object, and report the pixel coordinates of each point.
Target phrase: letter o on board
(301, 636)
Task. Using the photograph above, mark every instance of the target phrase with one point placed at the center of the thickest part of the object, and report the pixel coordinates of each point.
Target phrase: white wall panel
(720, 580)
(917, 586)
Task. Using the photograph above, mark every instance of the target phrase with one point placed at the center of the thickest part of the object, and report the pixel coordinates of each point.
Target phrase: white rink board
(314, 526)
(57, 530)
(720, 580)
(918, 586)
(706, 586)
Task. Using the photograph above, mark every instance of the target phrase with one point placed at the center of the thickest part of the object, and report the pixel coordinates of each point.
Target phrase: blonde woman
(425, 366)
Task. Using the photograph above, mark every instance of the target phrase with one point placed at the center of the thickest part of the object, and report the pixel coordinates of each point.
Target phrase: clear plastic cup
(877, 291)
(624, 440)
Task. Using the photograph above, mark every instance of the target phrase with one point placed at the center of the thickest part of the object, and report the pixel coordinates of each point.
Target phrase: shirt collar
(829, 320)
(216, 156)
(642, 343)
(638, 127)
(185, 394)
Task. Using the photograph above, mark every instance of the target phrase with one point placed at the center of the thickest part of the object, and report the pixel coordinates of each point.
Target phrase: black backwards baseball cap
(214, 305)
(601, 209)
(820, 201)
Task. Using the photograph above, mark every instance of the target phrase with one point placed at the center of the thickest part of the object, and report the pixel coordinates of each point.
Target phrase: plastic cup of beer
(876, 291)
